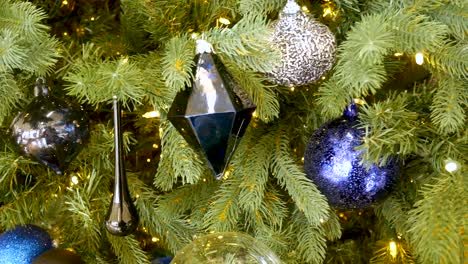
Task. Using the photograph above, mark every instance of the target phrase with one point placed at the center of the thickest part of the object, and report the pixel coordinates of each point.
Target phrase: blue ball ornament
(332, 162)
(22, 244)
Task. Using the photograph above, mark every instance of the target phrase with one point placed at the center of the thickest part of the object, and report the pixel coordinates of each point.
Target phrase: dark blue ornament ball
(162, 260)
(22, 244)
(333, 164)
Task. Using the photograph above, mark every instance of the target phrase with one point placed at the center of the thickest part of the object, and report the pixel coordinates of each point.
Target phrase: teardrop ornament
(122, 217)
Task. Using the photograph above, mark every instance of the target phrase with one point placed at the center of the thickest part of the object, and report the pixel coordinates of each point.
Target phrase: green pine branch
(311, 243)
(223, 213)
(303, 192)
(11, 95)
(453, 14)
(177, 62)
(262, 94)
(449, 105)
(127, 249)
(23, 18)
(417, 33)
(246, 44)
(390, 129)
(437, 220)
(166, 223)
(187, 166)
(451, 58)
(260, 6)
(98, 83)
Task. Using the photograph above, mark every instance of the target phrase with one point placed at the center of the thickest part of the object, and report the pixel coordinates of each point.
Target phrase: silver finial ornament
(307, 47)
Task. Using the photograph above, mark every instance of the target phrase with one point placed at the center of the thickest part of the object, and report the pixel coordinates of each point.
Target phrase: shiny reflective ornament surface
(214, 113)
(58, 256)
(122, 217)
(22, 244)
(333, 164)
(307, 47)
(50, 130)
(226, 247)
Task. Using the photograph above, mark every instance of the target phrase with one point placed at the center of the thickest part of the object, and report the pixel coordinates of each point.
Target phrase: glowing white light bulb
(152, 114)
(393, 249)
(419, 58)
(451, 166)
(224, 21)
(74, 180)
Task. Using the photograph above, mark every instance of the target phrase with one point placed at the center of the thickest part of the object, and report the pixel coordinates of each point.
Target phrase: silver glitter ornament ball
(307, 47)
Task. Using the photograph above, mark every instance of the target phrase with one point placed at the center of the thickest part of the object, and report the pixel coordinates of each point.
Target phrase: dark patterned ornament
(58, 256)
(50, 130)
(307, 47)
(332, 162)
(122, 217)
(214, 113)
(22, 244)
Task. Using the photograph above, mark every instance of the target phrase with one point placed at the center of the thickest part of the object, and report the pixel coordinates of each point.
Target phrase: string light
(65, 33)
(226, 174)
(398, 54)
(64, 2)
(224, 21)
(305, 9)
(148, 160)
(152, 114)
(155, 146)
(292, 89)
(392, 247)
(74, 180)
(302, 159)
(419, 58)
(154, 239)
(451, 166)
(92, 18)
(254, 114)
(327, 11)
(359, 101)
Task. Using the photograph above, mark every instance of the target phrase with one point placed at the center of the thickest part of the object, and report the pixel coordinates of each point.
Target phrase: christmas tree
(403, 62)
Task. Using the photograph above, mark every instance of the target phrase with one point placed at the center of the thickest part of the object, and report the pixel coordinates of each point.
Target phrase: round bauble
(22, 244)
(50, 130)
(307, 47)
(162, 260)
(58, 256)
(226, 247)
(332, 162)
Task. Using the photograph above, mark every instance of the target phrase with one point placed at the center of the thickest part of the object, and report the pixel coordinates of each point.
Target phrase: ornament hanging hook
(351, 111)
(41, 87)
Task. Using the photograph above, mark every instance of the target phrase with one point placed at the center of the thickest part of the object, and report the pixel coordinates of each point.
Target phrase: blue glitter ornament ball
(333, 164)
(23, 243)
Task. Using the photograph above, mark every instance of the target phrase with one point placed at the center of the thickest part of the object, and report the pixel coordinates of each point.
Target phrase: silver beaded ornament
(307, 47)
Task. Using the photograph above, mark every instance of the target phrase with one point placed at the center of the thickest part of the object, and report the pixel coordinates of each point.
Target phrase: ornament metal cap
(204, 46)
(41, 88)
(291, 7)
(351, 111)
